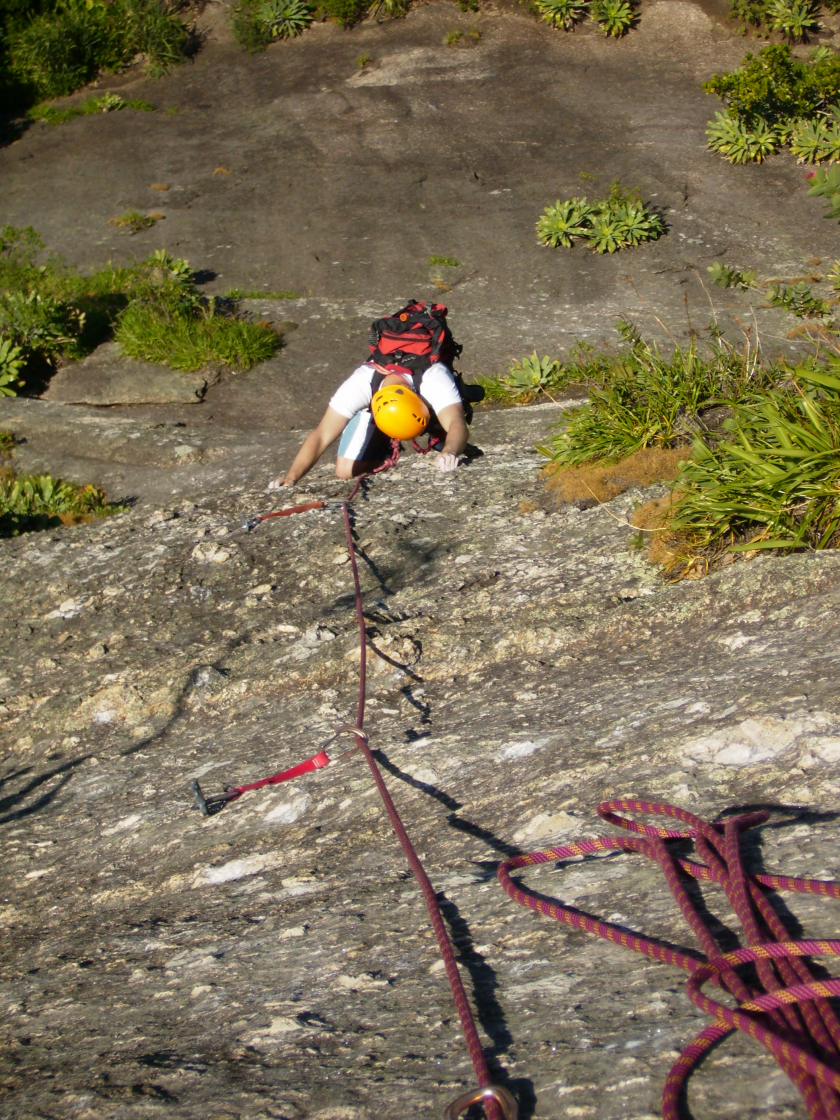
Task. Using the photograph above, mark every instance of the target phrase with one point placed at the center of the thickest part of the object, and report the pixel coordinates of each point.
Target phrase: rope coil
(787, 1010)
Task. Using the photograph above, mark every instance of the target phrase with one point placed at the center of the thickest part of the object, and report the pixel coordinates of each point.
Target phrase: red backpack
(413, 338)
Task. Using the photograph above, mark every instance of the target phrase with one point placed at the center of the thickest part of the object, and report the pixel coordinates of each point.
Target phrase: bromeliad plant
(619, 221)
(775, 100)
(615, 17)
(533, 375)
(284, 19)
(38, 501)
(797, 298)
(795, 19)
(565, 14)
(11, 365)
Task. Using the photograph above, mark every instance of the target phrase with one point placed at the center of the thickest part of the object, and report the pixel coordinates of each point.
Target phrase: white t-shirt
(438, 390)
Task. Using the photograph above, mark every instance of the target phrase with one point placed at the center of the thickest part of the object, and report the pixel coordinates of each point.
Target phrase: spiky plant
(616, 17)
(637, 223)
(562, 13)
(284, 19)
(815, 141)
(826, 184)
(561, 223)
(606, 233)
(733, 139)
(11, 363)
(820, 54)
(794, 18)
(532, 374)
(388, 9)
(775, 483)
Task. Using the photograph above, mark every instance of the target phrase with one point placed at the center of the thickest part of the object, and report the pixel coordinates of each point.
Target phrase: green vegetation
(453, 38)
(616, 222)
(53, 47)
(774, 100)
(526, 380)
(132, 220)
(154, 309)
(11, 364)
(258, 293)
(795, 19)
(256, 23)
(797, 298)
(37, 501)
(188, 341)
(753, 448)
(363, 60)
(104, 103)
(615, 17)
(449, 262)
(826, 184)
(389, 9)
(775, 481)
(639, 398)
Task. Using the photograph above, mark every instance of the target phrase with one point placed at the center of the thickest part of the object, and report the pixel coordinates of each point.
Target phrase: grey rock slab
(109, 377)
(342, 184)
(131, 456)
(276, 959)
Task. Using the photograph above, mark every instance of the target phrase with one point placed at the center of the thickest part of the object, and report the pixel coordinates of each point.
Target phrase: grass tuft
(449, 262)
(133, 221)
(190, 342)
(56, 51)
(104, 103)
(51, 310)
(259, 293)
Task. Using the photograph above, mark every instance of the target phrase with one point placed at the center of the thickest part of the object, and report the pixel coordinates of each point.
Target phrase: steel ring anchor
(505, 1100)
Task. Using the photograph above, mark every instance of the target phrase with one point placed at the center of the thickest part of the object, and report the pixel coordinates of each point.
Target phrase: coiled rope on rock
(786, 1009)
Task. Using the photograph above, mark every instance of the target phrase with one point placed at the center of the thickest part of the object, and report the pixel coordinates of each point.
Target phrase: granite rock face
(526, 661)
(108, 377)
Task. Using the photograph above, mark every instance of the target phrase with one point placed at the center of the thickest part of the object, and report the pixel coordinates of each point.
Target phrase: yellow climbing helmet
(399, 412)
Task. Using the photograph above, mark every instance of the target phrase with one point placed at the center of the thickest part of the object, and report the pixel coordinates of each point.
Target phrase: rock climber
(405, 388)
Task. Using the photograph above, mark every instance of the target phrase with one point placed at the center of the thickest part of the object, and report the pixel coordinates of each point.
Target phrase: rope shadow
(10, 800)
(485, 984)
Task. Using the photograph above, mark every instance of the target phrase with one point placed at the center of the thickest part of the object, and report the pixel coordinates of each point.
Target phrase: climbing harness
(787, 1010)
(497, 1102)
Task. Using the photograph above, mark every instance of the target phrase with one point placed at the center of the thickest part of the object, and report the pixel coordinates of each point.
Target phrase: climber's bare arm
(454, 424)
(313, 447)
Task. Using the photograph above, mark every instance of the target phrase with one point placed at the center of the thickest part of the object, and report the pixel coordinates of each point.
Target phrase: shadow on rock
(11, 805)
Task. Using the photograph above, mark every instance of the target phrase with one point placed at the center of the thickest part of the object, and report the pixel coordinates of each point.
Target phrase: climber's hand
(276, 484)
(446, 461)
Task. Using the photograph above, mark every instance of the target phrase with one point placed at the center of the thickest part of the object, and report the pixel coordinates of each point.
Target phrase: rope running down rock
(497, 1102)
